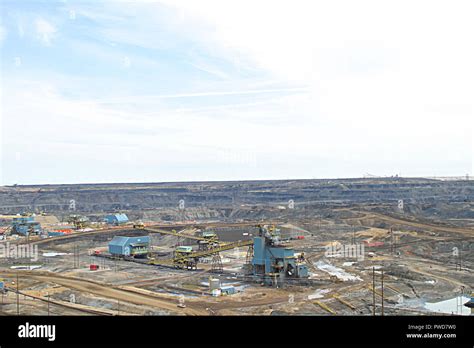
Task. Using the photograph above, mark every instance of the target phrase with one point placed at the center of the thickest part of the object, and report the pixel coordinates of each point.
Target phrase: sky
(151, 91)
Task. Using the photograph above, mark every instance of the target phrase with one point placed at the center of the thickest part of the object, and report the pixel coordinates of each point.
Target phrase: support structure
(17, 295)
(216, 264)
(382, 294)
(273, 260)
(249, 256)
(373, 289)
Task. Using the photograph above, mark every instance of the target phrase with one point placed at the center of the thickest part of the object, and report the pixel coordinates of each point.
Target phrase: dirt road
(108, 291)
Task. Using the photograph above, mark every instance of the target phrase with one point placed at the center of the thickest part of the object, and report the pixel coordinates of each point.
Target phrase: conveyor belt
(178, 234)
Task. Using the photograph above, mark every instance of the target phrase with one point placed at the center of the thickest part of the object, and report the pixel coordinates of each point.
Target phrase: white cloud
(386, 89)
(295, 38)
(21, 30)
(68, 133)
(101, 142)
(3, 34)
(154, 98)
(45, 31)
(387, 78)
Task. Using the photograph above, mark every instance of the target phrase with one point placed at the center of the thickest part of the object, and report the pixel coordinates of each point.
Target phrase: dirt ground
(424, 259)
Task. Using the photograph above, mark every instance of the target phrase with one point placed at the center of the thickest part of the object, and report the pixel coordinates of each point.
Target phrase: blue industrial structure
(116, 219)
(129, 246)
(273, 261)
(228, 290)
(25, 225)
(55, 233)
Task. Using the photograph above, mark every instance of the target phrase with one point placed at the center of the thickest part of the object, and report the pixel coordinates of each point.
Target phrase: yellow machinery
(185, 258)
(139, 224)
(181, 235)
(78, 221)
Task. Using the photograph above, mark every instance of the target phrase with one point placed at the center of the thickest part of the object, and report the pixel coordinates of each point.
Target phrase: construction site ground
(418, 265)
(425, 259)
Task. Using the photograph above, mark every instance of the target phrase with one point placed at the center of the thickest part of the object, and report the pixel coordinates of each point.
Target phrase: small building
(129, 246)
(184, 249)
(210, 238)
(116, 219)
(216, 292)
(228, 290)
(208, 234)
(55, 233)
(214, 283)
(59, 230)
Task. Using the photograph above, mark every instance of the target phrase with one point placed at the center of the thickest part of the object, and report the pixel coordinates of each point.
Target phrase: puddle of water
(454, 305)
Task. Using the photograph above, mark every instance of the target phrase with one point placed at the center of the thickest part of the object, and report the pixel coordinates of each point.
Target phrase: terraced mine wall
(225, 196)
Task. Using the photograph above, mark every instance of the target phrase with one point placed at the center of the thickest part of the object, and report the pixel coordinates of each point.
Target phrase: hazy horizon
(442, 178)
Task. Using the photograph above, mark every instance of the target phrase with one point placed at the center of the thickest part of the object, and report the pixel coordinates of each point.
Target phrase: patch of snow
(318, 294)
(348, 264)
(451, 306)
(31, 267)
(336, 271)
(54, 254)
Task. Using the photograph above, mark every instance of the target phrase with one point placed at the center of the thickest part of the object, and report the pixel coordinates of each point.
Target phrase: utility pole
(391, 241)
(457, 260)
(382, 292)
(395, 244)
(17, 295)
(48, 304)
(460, 258)
(76, 255)
(460, 306)
(373, 289)
(30, 230)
